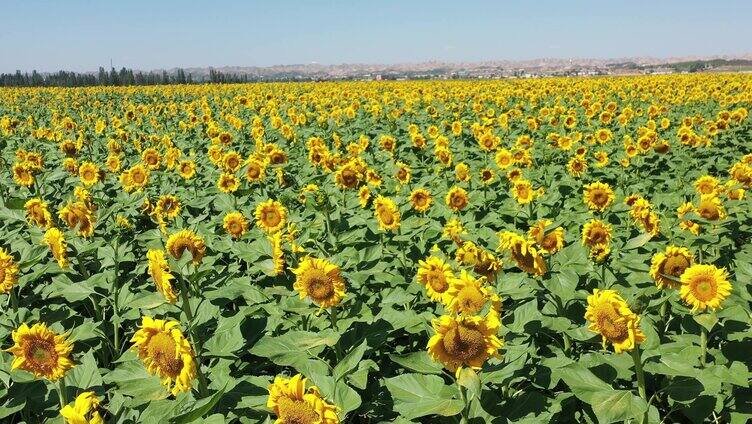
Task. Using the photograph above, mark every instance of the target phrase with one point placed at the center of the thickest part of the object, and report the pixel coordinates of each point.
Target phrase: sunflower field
(544, 250)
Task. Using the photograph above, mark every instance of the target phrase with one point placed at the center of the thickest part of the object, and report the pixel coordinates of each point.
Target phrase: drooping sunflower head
(465, 340)
(271, 216)
(278, 255)
(421, 199)
(8, 271)
(235, 224)
(598, 196)
(596, 232)
(457, 198)
(37, 213)
(186, 240)
(159, 270)
(364, 195)
(319, 280)
(84, 410)
(610, 316)
(166, 353)
(704, 286)
(56, 242)
(549, 240)
(387, 214)
(293, 403)
(524, 253)
(669, 265)
(435, 274)
(41, 351)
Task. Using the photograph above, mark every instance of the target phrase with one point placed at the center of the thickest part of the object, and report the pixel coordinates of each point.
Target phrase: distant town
(350, 72)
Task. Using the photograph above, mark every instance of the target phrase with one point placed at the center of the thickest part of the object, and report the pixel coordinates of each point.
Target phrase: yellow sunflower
(228, 183)
(550, 241)
(364, 195)
(468, 295)
(8, 271)
(255, 171)
(596, 232)
(598, 196)
(84, 410)
(37, 213)
(293, 403)
(610, 316)
(184, 240)
(78, 217)
(403, 173)
(88, 173)
(166, 353)
(168, 206)
(159, 270)
(707, 185)
(435, 275)
(465, 341)
(41, 351)
(421, 199)
(320, 280)
(56, 242)
(710, 208)
(522, 191)
(704, 286)
(151, 157)
(671, 263)
(271, 216)
(524, 253)
(187, 169)
(457, 198)
(235, 224)
(278, 257)
(503, 159)
(387, 214)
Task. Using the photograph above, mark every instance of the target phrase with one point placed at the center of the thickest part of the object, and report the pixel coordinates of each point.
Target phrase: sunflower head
(465, 341)
(228, 183)
(524, 253)
(468, 295)
(41, 351)
(421, 200)
(522, 191)
(320, 280)
(710, 208)
(186, 240)
(610, 316)
(598, 196)
(596, 232)
(704, 287)
(271, 216)
(166, 353)
(235, 224)
(84, 410)
(436, 275)
(8, 271)
(457, 198)
(669, 265)
(292, 402)
(159, 270)
(387, 214)
(549, 240)
(55, 240)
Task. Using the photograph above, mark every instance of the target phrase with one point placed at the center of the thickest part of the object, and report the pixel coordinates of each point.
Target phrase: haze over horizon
(81, 35)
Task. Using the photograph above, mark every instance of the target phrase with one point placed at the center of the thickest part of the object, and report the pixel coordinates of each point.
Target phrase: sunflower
(168, 206)
(56, 242)
(347, 176)
(293, 403)
(159, 270)
(468, 295)
(522, 191)
(320, 280)
(457, 198)
(271, 216)
(462, 172)
(235, 224)
(596, 232)
(550, 241)
(22, 175)
(166, 353)
(77, 216)
(184, 240)
(387, 214)
(151, 158)
(599, 252)
(704, 286)
(85, 410)
(503, 159)
(524, 253)
(577, 166)
(364, 195)
(452, 230)
(228, 183)
(598, 196)
(135, 178)
(671, 263)
(487, 176)
(278, 257)
(465, 340)
(41, 351)
(187, 169)
(8, 271)
(113, 163)
(37, 213)
(255, 171)
(710, 208)
(707, 185)
(231, 161)
(435, 275)
(421, 199)
(610, 316)
(403, 173)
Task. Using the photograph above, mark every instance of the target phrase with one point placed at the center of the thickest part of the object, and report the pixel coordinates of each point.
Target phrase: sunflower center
(675, 265)
(549, 241)
(600, 198)
(386, 216)
(598, 236)
(611, 327)
(704, 289)
(320, 286)
(292, 411)
(163, 352)
(271, 218)
(708, 211)
(437, 281)
(470, 300)
(41, 355)
(464, 343)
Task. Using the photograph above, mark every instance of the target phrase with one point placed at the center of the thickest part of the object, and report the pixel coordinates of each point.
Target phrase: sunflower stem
(640, 378)
(704, 346)
(14, 300)
(465, 406)
(62, 392)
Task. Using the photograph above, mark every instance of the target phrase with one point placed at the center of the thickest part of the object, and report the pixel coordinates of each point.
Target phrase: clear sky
(82, 35)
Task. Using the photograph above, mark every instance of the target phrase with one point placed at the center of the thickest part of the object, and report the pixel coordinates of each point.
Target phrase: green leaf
(417, 395)
(419, 362)
(200, 408)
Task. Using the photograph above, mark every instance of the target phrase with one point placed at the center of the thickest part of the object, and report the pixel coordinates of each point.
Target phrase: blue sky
(82, 35)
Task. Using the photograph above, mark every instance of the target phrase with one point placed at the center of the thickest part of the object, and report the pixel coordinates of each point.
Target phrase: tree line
(124, 77)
